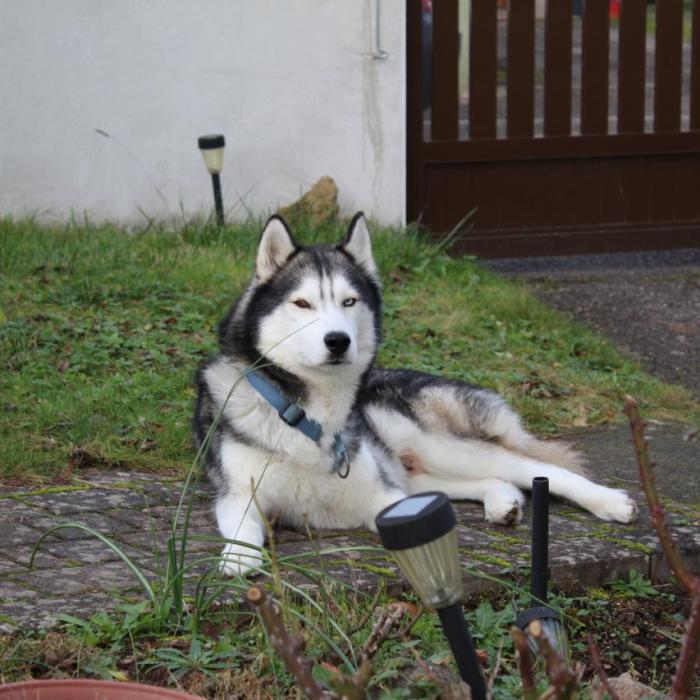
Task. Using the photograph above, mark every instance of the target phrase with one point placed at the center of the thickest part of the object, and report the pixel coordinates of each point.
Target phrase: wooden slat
(521, 68)
(563, 147)
(414, 111)
(595, 48)
(668, 65)
(445, 112)
(557, 68)
(695, 70)
(488, 243)
(630, 108)
(482, 70)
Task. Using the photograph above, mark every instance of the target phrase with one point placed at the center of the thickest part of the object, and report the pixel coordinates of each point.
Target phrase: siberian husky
(294, 402)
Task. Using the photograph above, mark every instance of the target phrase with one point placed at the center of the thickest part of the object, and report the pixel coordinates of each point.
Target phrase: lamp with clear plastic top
(420, 532)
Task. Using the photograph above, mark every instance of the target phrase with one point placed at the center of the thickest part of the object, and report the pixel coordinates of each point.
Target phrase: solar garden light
(550, 620)
(212, 148)
(420, 533)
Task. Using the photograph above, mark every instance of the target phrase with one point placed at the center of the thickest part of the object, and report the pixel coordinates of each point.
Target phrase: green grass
(228, 655)
(101, 330)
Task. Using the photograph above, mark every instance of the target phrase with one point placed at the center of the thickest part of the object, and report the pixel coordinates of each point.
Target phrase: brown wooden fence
(622, 173)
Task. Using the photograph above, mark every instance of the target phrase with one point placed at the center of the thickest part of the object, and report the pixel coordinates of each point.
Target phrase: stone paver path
(77, 574)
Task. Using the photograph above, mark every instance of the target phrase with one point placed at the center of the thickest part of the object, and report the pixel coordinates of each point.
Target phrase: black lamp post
(212, 148)
(420, 533)
(549, 619)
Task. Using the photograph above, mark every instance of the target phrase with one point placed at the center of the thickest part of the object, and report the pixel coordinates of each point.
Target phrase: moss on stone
(47, 491)
(487, 559)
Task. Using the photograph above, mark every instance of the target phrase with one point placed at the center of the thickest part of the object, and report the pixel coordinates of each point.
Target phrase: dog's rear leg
(238, 519)
(502, 501)
(457, 459)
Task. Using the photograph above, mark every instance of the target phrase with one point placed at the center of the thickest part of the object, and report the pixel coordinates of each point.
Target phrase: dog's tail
(555, 452)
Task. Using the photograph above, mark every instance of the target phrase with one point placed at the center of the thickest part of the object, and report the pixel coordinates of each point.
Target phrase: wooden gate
(618, 171)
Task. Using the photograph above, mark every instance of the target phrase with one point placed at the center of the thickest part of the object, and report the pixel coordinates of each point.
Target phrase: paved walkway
(76, 573)
(647, 303)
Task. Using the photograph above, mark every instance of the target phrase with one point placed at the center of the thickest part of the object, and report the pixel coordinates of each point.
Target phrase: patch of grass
(101, 331)
(636, 626)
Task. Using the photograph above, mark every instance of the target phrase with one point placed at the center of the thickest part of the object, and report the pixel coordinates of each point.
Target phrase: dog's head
(310, 310)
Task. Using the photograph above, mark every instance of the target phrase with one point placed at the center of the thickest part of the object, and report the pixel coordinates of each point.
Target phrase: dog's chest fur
(259, 444)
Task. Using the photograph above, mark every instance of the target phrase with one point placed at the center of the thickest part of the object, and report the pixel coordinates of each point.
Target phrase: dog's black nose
(337, 342)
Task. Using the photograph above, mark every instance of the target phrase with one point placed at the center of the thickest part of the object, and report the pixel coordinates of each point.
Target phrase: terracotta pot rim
(122, 687)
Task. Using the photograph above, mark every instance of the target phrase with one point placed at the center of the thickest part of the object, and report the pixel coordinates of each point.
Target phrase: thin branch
(388, 619)
(353, 687)
(598, 667)
(370, 610)
(564, 680)
(656, 511)
(597, 690)
(690, 650)
(524, 659)
(290, 647)
(690, 653)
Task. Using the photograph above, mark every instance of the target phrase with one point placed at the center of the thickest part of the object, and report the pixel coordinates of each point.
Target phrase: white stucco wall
(291, 83)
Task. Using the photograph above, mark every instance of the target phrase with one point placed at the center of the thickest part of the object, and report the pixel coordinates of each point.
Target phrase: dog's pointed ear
(275, 246)
(358, 244)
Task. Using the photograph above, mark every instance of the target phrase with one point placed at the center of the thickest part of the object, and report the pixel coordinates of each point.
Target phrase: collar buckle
(292, 414)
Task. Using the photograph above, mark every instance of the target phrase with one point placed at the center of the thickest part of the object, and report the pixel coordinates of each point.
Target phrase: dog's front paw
(615, 505)
(240, 561)
(504, 507)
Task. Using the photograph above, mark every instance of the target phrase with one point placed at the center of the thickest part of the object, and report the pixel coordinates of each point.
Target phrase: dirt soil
(638, 635)
(647, 303)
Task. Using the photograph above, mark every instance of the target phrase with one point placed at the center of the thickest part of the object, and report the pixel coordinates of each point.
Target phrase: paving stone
(81, 552)
(16, 511)
(7, 566)
(200, 517)
(20, 557)
(96, 499)
(16, 534)
(583, 550)
(104, 523)
(119, 477)
(150, 540)
(28, 615)
(10, 591)
(107, 577)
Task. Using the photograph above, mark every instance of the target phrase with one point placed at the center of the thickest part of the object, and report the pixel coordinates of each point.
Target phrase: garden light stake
(549, 619)
(212, 148)
(420, 533)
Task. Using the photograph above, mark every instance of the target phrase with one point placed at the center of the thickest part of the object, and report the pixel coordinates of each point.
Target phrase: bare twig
(289, 646)
(690, 649)
(598, 667)
(656, 511)
(597, 690)
(564, 680)
(353, 688)
(365, 618)
(388, 619)
(495, 669)
(690, 654)
(524, 659)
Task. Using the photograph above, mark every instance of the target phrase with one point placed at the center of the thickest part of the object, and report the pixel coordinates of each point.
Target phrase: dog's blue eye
(302, 303)
(350, 301)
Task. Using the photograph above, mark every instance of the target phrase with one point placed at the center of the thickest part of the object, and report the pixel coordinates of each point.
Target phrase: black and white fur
(313, 314)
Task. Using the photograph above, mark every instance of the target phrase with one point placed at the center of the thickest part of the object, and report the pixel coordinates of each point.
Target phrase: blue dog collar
(294, 416)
